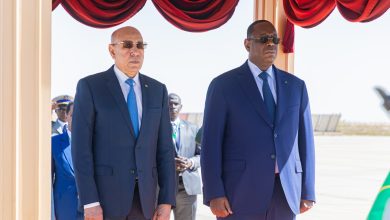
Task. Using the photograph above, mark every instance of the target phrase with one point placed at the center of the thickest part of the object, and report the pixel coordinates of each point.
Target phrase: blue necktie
(267, 96)
(132, 106)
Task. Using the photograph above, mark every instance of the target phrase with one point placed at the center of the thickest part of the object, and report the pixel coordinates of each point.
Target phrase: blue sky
(340, 61)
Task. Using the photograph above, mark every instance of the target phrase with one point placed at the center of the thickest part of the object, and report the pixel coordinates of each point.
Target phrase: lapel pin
(146, 85)
(285, 82)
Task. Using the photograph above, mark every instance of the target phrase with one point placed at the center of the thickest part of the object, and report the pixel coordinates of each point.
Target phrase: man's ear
(247, 44)
(111, 50)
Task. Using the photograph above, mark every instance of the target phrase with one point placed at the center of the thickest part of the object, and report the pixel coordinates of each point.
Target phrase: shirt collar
(61, 122)
(256, 70)
(122, 77)
(177, 121)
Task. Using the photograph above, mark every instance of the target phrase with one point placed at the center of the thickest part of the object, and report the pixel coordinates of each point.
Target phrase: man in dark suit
(187, 162)
(64, 185)
(257, 150)
(122, 138)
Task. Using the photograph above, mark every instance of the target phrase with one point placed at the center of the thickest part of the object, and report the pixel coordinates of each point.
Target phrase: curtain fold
(54, 4)
(196, 15)
(288, 38)
(309, 13)
(102, 13)
(362, 10)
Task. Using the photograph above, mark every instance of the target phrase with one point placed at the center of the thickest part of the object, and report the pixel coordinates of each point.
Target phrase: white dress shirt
(122, 77)
(272, 85)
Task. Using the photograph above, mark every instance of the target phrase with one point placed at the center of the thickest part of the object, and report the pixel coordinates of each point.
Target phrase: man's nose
(134, 52)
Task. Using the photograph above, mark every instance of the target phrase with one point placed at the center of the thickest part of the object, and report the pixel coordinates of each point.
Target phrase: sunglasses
(127, 44)
(265, 39)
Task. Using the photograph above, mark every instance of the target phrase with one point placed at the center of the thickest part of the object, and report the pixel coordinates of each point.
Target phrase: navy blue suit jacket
(240, 142)
(64, 185)
(106, 155)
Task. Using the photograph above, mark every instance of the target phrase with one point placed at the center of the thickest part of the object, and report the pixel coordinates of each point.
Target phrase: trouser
(277, 210)
(136, 210)
(185, 204)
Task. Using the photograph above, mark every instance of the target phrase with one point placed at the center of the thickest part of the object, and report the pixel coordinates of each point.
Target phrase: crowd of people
(120, 150)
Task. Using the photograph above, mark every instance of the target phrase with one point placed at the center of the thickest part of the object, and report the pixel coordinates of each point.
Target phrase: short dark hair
(68, 107)
(171, 95)
(251, 27)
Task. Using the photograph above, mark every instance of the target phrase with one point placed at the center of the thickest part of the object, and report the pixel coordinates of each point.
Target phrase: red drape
(362, 10)
(102, 13)
(188, 15)
(288, 38)
(309, 13)
(196, 16)
(54, 4)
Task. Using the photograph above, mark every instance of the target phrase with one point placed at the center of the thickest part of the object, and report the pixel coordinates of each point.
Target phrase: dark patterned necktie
(267, 96)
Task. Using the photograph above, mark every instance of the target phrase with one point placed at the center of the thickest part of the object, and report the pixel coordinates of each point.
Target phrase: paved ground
(350, 171)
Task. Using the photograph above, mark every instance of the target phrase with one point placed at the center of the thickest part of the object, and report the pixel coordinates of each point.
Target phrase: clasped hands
(182, 163)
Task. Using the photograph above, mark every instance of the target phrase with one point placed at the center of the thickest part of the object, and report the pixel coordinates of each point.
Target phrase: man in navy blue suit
(122, 146)
(64, 185)
(257, 149)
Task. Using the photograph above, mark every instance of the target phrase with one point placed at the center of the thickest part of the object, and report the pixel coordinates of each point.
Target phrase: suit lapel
(282, 94)
(248, 85)
(182, 131)
(116, 92)
(145, 90)
(67, 151)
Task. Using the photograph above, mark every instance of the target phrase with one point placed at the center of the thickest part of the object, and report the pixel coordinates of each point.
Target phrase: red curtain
(309, 13)
(196, 16)
(288, 38)
(54, 4)
(102, 13)
(362, 10)
(188, 15)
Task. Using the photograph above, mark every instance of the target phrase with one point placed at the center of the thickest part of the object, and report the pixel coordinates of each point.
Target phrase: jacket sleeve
(82, 143)
(196, 157)
(166, 157)
(306, 148)
(214, 120)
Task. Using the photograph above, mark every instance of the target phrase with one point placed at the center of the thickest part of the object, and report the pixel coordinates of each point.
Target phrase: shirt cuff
(90, 205)
(192, 164)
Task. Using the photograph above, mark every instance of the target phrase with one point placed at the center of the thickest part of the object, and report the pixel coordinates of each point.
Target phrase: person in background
(59, 104)
(122, 138)
(258, 148)
(64, 185)
(187, 162)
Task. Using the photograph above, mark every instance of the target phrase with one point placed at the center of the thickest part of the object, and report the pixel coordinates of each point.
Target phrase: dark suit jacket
(240, 142)
(190, 149)
(106, 155)
(64, 185)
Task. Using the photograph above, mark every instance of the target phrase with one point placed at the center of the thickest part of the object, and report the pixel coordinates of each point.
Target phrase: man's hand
(162, 212)
(220, 207)
(182, 163)
(54, 106)
(306, 205)
(93, 213)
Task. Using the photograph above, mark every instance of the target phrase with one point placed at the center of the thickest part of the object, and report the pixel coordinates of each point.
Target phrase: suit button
(275, 135)
(273, 156)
